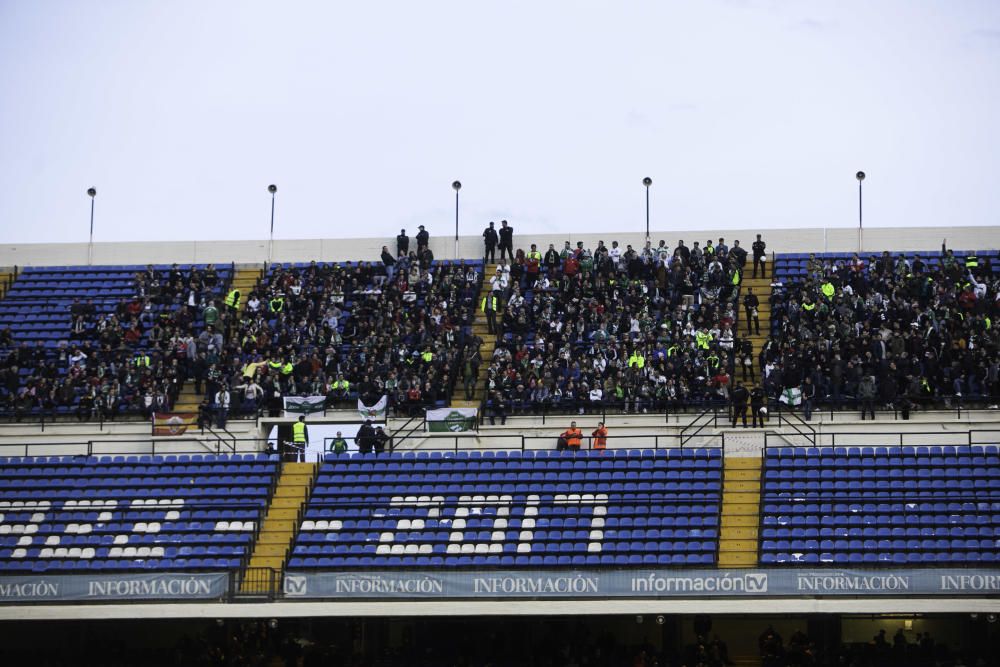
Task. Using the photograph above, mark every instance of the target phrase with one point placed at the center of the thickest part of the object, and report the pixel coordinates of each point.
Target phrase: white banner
(791, 396)
(374, 412)
(304, 405)
(455, 420)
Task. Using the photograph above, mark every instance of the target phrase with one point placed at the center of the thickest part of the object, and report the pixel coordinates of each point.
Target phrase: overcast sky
(744, 113)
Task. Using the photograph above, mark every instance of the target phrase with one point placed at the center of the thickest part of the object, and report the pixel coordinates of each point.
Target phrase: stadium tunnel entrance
(642, 640)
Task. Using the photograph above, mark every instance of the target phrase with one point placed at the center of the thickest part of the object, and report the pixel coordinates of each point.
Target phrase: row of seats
(131, 513)
(617, 507)
(902, 505)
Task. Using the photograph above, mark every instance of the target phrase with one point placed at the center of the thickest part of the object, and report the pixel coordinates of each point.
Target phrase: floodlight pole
(457, 185)
(273, 189)
(647, 182)
(92, 192)
(861, 177)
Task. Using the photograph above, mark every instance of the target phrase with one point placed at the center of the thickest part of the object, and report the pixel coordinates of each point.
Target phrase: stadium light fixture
(647, 182)
(861, 177)
(273, 189)
(92, 193)
(456, 186)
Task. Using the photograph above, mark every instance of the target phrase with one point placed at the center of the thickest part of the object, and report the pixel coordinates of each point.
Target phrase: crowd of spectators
(347, 332)
(881, 651)
(589, 329)
(894, 332)
(128, 358)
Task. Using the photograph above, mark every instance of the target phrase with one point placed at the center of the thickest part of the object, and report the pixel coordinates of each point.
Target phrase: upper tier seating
(584, 330)
(531, 508)
(364, 336)
(96, 340)
(872, 505)
(131, 512)
(898, 331)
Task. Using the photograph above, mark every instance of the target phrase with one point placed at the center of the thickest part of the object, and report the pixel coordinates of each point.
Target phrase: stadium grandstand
(750, 447)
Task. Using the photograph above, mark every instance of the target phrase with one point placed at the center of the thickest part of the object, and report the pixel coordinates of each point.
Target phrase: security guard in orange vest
(599, 438)
(573, 437)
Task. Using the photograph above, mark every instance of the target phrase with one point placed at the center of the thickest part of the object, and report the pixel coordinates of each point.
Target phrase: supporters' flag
(375, 412)
(791, 396)
(455, 420)
(173, 423)
(304, 405)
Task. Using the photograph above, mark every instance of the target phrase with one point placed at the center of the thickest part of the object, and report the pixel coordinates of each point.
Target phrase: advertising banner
(756, 583)
(112, 587)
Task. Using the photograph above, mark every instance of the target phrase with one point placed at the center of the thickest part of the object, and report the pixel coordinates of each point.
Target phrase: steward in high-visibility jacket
(971, 262)
(828, 289)
(141, 360)
(637, 360)
(277, 304)
(300, 432)
(233, 299)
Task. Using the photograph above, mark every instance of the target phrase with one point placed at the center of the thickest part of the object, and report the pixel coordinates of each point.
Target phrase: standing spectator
(551, 260)
(389, 262)
(490, 242)
(757, 399)
(758, 248)
(423, 240)
(739, 255)
(402, 244)
(506, 240)
(750, 304)
(866, 394)
(381, 440)
(599, 437)
(365, 439)
(808, 395)
(739, 398)
(338, 445)
(222, 406)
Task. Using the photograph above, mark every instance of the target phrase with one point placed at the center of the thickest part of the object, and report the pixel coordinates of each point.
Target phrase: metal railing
(254, 584)
(134, 447)
(894, 439)
(521, 442)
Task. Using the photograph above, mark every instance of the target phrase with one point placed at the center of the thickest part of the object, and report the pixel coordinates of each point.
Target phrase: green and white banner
(452, 420)
(304, 405)
(374, 412)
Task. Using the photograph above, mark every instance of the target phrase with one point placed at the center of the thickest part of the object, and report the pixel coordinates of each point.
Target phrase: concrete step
(282, 537)
(743, 474)
(737, 559)
(734, 508)
(740, 485)
(273, 562)
(733, 520)
(270, 550)
(740, 532)
(742, 463)
(732, 545)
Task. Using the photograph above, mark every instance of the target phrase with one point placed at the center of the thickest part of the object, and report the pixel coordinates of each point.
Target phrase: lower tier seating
(870, 505)
(131, 513)
(601, 508)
